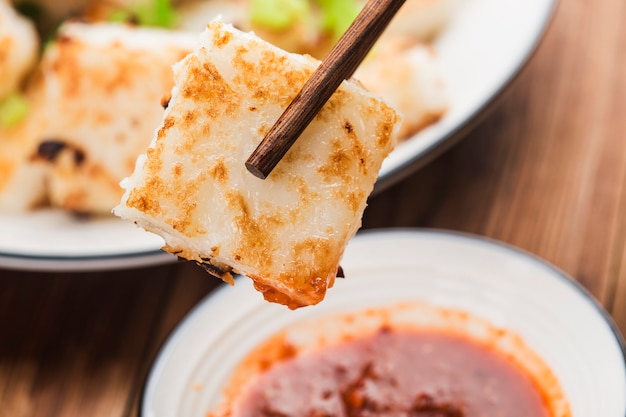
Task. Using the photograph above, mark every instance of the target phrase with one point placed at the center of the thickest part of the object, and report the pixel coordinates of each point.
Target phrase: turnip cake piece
(408, 76)
(102, 86)
(287, 232)
(22, 172)
(18, 48)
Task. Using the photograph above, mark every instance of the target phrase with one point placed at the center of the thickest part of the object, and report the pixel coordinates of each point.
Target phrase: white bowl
(508, 288)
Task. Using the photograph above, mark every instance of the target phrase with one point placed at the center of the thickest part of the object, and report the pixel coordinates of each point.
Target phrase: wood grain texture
(72, 343)
(82, 344)
(188, 286)
(545, 171)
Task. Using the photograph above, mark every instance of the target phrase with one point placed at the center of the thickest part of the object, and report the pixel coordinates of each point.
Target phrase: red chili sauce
(395, 373)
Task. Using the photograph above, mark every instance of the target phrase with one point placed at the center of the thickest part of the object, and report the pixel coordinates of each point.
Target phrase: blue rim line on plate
(84, 263)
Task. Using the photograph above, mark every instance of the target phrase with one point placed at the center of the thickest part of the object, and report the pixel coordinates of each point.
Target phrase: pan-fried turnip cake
(287, 232)
(101, 85)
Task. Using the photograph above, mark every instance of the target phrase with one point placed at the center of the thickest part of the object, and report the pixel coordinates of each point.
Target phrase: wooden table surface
(545, 170)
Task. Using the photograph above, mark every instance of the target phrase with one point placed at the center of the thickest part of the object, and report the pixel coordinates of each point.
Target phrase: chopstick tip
(254, 170)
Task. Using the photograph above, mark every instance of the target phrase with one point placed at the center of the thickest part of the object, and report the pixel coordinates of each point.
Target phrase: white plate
(510, 289)
(481, 50)
(53, 240)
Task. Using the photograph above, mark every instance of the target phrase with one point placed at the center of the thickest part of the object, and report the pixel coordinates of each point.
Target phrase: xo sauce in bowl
(412, 359)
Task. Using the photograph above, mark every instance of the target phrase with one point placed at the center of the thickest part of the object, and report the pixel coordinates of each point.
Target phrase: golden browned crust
(289, 231)
(100, 88)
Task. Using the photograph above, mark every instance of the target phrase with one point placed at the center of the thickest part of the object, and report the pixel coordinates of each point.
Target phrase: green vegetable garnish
(121, 16)
(338, 15)
(13, 109)
(278, 14)
(335, 15)
(158, 13)
(164, 13)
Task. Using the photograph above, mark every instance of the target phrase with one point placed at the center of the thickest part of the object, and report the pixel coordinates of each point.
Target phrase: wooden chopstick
(339, 65)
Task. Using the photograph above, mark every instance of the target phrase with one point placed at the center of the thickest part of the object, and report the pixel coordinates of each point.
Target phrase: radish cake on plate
(101, 87)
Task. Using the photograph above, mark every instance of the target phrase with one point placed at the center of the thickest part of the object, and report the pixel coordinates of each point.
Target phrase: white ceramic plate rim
(230, 299)
(52, 241)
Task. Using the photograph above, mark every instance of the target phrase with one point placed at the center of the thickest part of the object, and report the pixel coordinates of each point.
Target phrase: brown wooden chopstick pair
(338, 66)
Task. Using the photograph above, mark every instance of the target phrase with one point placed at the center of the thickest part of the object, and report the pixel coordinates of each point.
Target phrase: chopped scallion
(13, 109)
(158, 13)
(164, 13)
(278, 14)
(338, 15)
(120, 16)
